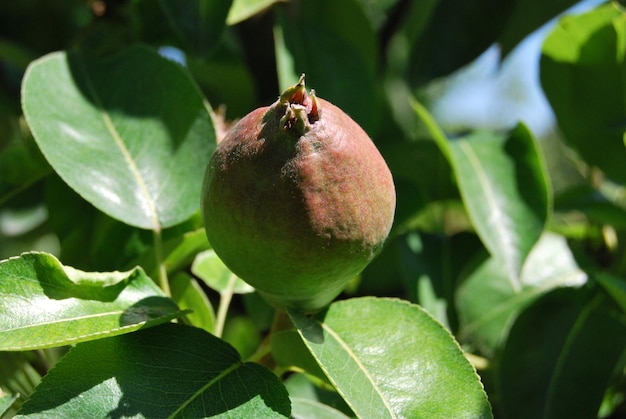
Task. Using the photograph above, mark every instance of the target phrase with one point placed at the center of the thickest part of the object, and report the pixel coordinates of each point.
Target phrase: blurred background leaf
(582, 73)
(561, 355)
(334, 44)
(197, 23)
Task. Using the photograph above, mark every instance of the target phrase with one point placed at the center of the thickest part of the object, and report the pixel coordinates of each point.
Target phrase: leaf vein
(362, 367)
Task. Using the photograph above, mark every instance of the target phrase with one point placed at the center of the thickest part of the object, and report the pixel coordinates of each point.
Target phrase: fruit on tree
(297, 200)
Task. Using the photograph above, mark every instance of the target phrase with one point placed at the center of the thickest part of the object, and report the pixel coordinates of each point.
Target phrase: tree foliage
(501, 290)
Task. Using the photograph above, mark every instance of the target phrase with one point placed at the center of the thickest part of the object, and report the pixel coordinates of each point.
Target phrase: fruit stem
(263, 354)
(222, 310)
(164, 283)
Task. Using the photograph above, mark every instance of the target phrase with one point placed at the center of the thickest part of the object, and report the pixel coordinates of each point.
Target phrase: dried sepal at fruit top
(301, 108)
(297, 200)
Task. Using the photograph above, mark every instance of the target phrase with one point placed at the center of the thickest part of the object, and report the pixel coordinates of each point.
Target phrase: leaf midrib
(119, 142)
(205, 387)
(499, 221)
(365, 371)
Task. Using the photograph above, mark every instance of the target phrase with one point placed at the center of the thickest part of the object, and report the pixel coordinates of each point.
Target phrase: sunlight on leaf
(389, 358)
(45, 304)
(211, 270)
(131, 134)
(244, 9)
(6, 401)
(304, 409)
(165, 371)
(504, 185)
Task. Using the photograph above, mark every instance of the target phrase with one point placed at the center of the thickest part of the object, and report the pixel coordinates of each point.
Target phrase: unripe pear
(297, 200)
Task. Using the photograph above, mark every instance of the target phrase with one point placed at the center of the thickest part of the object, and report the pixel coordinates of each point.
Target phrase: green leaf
(188, 295)
(197, 23)
(593, 203)
(304, 409)
(20, 167)
(166, 371)
(18, 374)
(211, 270)
(182, 250)
(131, 134)
(290, 352)
(388, 358)
(45, 304)
(91, 240)
(311, 399)
(259, 310)
(415, 190)
(379, 12)
(15, 54)
(560, 356)
(504, 184)
(614, 287)
(487, 301)
(526, 17)
(583, 74)
(6, 401)
(333, 43)
(242, 334)
(457, 32)
(430, 265)
(244, 9)
(225, 79)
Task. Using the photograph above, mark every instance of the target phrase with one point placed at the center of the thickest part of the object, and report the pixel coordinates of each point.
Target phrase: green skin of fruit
(297, 200)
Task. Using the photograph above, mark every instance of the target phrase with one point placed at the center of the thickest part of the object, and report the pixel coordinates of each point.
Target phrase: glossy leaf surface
(504, 185)
(404, 364)
(165, 371)
(130, 134)
(45, 304)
